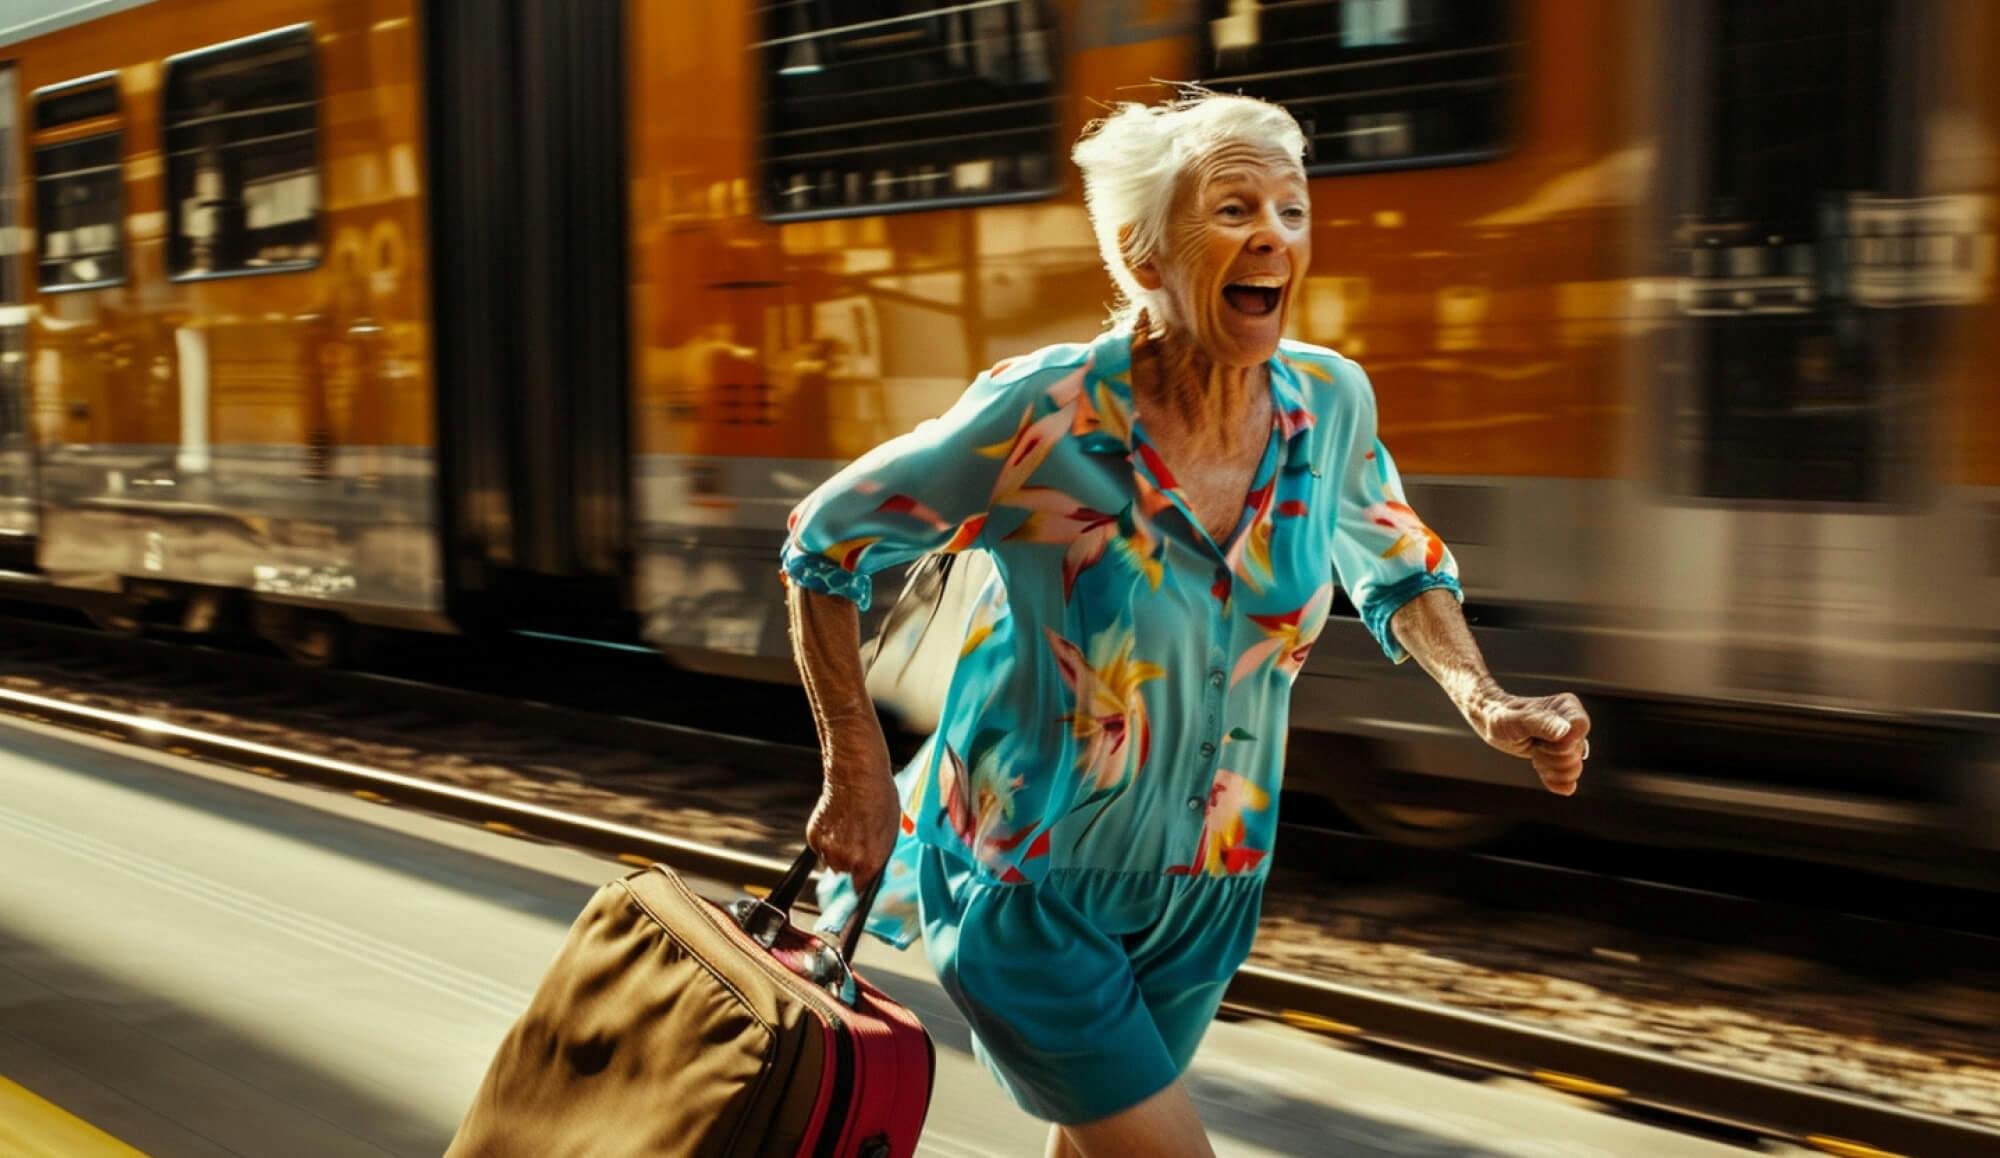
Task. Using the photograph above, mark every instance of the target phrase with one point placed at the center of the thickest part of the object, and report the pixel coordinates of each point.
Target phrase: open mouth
(1255, 300)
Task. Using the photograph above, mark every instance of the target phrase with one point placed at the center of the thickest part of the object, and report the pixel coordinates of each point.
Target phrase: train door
(18, 513)
(1803, 237)
(527, 116)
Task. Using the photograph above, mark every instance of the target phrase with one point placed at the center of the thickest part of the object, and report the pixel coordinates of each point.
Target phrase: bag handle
(764, 919)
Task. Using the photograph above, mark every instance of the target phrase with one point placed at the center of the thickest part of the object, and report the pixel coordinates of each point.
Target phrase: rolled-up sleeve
(928, 490)
(1383, 552)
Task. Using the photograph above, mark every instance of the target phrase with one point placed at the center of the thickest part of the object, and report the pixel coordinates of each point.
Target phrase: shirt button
(1207, 749)
(1194, 804)
(1215, 678)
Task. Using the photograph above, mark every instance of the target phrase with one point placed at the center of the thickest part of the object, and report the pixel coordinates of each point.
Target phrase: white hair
(1132, 161)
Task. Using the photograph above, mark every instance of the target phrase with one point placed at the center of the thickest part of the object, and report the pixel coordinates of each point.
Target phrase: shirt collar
(1111, 364)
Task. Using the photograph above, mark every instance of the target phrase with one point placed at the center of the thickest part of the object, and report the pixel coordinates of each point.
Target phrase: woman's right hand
(853, 827)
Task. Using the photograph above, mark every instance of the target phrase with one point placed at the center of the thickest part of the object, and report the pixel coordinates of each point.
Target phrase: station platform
(197, 962)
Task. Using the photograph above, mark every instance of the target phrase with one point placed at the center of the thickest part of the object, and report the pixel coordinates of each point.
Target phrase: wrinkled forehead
(1239, 162)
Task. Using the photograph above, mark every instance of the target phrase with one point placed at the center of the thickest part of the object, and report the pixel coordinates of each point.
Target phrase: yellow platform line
(33, 1128)
(1843, 1148)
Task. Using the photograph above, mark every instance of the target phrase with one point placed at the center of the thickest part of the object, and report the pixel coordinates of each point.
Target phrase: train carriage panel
(1802, 532)
(229, 348)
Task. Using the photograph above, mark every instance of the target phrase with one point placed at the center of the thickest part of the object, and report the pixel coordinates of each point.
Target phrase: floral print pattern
(1288, 638)
(1119, 665)
(1225, 849)
(1415, 543)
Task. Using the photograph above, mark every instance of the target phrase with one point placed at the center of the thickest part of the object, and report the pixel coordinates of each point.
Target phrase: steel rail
(1621, 1077)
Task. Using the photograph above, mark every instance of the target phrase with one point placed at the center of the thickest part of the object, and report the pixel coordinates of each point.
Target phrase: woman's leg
(1060, 1145)
(1163, 1126)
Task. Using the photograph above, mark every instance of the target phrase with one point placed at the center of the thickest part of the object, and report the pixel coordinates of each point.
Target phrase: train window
(1376, 84)
(873, 106)
(242, 144)
(79, 184)
(79, 101)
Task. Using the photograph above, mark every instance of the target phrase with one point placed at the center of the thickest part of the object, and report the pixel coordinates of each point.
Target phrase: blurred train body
(519, 314)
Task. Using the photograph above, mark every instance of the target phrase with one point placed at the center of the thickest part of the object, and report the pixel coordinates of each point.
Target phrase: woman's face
(1238, 242)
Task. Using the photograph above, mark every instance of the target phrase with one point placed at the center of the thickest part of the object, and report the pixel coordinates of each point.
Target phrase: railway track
(550, 696)
(524, 697)
(1629, 1081)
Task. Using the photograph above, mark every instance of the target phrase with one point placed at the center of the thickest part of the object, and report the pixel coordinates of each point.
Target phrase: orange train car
(442, 314)
(218, 351)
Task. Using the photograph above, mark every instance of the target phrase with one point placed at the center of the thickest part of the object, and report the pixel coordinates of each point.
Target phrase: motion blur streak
(519, 315)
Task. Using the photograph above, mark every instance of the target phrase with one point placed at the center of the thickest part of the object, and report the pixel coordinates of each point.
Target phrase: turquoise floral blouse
(1122, 692)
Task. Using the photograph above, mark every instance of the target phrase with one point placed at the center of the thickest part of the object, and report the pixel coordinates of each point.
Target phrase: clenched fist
(1551, 732)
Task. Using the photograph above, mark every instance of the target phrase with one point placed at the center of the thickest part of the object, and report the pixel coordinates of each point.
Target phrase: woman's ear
(1146, 273)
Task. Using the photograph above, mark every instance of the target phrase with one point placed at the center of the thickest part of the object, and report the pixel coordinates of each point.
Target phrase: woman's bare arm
(1550, 731)
(854, 825)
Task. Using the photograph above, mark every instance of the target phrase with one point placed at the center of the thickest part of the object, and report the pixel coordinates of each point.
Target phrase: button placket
(1212, 721)
(1212, 696)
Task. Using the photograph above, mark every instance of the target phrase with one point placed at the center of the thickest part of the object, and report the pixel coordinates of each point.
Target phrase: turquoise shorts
(1088, 992)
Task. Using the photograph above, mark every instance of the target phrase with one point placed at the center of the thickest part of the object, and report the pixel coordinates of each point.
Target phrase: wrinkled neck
(1180, 390)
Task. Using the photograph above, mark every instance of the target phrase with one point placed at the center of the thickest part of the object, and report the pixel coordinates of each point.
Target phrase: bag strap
(850, 937)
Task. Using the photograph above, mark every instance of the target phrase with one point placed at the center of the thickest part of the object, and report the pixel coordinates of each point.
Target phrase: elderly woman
(1084, 841)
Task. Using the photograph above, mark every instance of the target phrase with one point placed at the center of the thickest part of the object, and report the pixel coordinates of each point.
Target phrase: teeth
(1261, 281)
